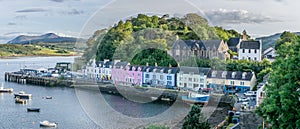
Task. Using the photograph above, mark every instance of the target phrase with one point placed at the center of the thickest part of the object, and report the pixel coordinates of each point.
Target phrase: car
(243, 99)
(250, 93)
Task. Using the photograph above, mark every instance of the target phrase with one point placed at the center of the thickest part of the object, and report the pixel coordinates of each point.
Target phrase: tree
(281, 105)
(195, 119)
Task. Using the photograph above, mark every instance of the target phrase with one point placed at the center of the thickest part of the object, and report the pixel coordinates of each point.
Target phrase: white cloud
(223, 17)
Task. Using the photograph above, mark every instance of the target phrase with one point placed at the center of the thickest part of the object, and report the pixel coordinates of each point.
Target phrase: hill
(46, 38)
(269, 41)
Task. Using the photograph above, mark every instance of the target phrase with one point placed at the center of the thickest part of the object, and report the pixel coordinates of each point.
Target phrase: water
(75, 108)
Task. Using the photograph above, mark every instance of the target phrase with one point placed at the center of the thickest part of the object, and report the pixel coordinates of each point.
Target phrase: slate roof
(165, 69)
(233, 42)
(98, 63)
(199, 43)
(108, 63)
(195, 70)
(238, 75)
(211, 43)
(119, 64)
(250, 45)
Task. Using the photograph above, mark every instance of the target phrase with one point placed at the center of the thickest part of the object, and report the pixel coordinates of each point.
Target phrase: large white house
(192, 78)
(250, 50)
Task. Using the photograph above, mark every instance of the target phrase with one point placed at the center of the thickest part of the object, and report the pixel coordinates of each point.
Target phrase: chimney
(170, 66)
(147, 64)
(178, 64)
(244, 37)
(155, 64)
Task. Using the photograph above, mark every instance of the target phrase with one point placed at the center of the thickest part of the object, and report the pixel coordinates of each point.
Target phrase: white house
(192, 78)
(160, 76)
(250, 50)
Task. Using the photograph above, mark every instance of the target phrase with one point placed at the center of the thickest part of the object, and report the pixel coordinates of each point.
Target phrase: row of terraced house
(193, 78)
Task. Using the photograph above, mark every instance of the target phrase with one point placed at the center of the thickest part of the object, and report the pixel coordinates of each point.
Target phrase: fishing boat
(33, 109)
(46, 123)
(21, 101)
(2, 89)
(23, 95)
(196, 98)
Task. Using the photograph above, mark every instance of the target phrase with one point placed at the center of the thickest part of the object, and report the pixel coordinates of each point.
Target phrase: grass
(12, 50)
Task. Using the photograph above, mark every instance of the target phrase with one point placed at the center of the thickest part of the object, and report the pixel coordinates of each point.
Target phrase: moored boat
(33, 109)
(23, 95)
(196, 98)
(9, 90)
(46, 123)
(21, 101)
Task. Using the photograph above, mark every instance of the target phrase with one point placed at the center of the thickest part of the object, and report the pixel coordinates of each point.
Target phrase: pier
(41, 81)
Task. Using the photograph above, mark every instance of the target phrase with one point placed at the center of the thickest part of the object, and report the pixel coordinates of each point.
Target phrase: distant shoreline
(17, 56)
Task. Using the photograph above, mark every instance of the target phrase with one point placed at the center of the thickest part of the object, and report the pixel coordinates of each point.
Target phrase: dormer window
(224, 74)
(244, 75)
(233, 74)
(214, 74)
(147, 69)
(154, 70)
(169, 71)
(162, 70)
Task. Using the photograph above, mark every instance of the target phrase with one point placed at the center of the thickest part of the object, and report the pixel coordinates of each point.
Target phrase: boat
(21, 101)
(9, 90)
(33, 109)
(48, 97)
(23, 95)
(46, 123)
(195, 98)
(154, 98)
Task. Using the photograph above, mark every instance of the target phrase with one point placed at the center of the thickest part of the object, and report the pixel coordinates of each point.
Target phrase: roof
(233, 42)
(238, 75)
(189, 44)
(250, 45)
(108, 64)
(267, 51)
(195, 70)
(165, 69)
(212, 43)
(99, 63)
(119, 64)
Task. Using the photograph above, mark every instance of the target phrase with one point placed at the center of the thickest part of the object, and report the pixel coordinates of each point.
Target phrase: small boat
(21, 101)
(23, 95)
(165, 99)
(46, 123)
(9, 90)
(48, 97)
(33, 109)
(195, 98)
(154, 98)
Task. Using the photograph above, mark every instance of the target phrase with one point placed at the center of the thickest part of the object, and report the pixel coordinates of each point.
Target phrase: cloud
(60, 1)
(223, 17)
(73, 12)
(11, 23)
(32, 10)
(20, 17)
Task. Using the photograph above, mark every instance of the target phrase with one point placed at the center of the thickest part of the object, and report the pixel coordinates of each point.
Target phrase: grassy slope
(7, 50)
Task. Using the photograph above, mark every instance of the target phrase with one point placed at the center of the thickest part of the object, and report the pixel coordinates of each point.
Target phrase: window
(249, 51)
(249, 58)
(243, 50)
(202, 85)
(231, 82)
(255, 51)
(170, 78)
(195, 80)
(254, 58)
(161, 77)
(169, 83)
(147, 75)
(190, 79)
(201, 80)
(242, 83)
(184, 84)
(195, 85)
(154, 76)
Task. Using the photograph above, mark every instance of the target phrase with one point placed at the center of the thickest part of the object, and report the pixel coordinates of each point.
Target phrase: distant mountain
(269, 41)
(46, 38)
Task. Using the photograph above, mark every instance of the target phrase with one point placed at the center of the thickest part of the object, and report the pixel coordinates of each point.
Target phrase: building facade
(203, 49)
(231, 81)
(164, 77)
(250, 50)
(192, 78)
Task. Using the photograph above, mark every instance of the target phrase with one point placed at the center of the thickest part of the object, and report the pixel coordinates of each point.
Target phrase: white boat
(46, 123)
(154, 98)
(2, 89)
(23, 95)
(21, 101)
(196, 98)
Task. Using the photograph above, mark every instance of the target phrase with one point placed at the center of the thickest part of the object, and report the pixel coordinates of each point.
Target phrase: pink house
(124, 74)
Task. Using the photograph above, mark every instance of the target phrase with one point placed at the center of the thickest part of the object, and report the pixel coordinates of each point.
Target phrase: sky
(80, 18)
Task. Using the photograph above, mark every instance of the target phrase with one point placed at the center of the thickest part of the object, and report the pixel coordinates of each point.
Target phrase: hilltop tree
(281, 105)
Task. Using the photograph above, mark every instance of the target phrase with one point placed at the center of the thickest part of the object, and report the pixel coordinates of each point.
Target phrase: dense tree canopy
(281, 106)
(195, 119)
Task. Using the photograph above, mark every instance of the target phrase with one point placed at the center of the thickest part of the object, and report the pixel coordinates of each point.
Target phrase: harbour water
(75, 108)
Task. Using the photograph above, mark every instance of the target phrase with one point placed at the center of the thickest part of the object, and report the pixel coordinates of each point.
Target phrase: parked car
(243, 99)
(250, 93)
